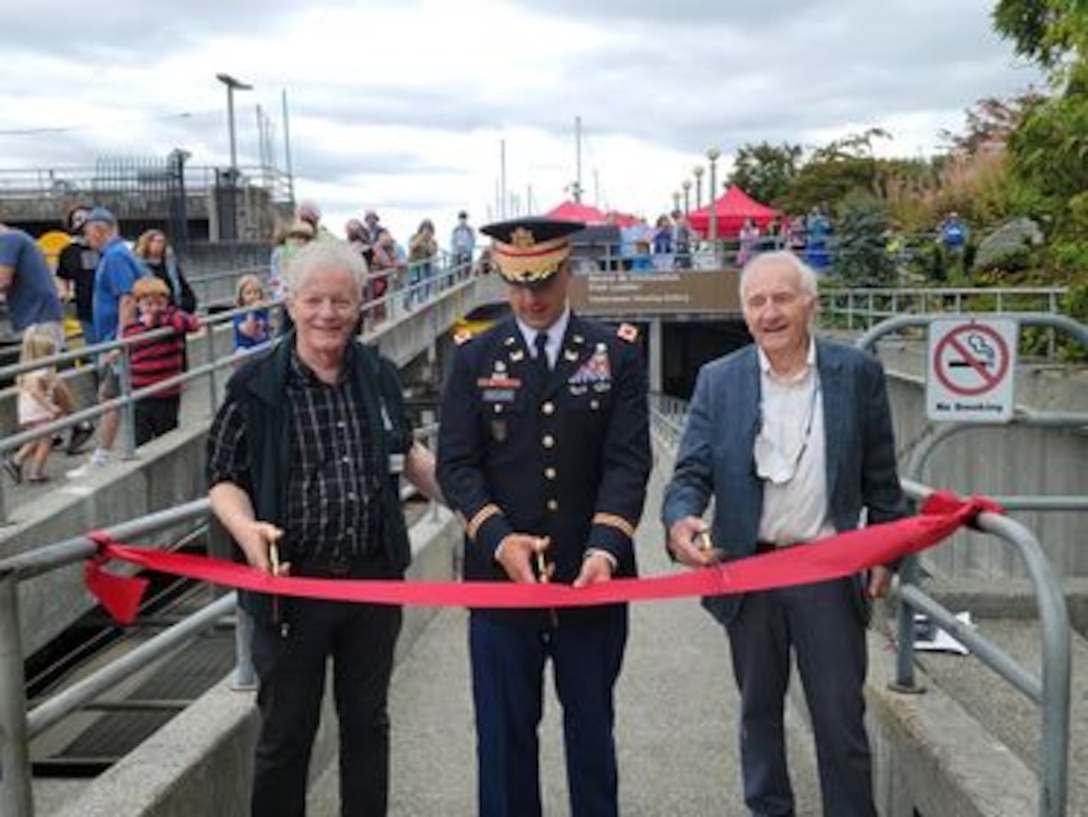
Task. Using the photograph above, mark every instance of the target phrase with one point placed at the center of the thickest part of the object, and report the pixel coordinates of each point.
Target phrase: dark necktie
(540, 344)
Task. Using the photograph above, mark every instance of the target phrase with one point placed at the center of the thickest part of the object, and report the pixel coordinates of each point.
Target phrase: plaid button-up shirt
(334, 480)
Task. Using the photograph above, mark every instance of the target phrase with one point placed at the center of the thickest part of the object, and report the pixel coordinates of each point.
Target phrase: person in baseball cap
(100, 215)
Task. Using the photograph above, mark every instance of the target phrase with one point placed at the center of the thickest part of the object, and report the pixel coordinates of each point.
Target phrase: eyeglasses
(772, 464)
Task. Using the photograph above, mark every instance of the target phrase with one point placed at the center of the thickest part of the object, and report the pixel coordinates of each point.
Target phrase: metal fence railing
(406, 293)
(18, 725)
(859, 309)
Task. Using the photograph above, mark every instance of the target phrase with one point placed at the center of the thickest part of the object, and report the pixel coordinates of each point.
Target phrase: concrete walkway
(676, 721)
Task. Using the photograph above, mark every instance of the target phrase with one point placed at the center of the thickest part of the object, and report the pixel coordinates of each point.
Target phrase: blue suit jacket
(715, 457)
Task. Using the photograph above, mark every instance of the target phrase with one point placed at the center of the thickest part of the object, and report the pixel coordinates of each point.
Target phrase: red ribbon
(836, 556)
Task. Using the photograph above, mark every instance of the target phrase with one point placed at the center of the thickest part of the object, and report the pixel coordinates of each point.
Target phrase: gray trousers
(821, 625)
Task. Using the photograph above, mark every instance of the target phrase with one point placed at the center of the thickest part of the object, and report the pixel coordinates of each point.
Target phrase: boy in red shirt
(157, 359)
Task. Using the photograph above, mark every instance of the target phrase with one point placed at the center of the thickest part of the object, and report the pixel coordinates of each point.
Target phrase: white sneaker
(97, 461)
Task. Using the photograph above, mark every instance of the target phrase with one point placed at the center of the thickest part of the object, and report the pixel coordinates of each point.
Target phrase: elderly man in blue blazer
(792, 438)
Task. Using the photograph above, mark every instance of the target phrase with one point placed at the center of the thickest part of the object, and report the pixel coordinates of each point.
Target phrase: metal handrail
(865, 307)
(378, 315)
(1052, 694)
(17, 725)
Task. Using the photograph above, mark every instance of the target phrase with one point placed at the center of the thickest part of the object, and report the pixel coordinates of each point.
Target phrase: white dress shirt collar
(555, 335)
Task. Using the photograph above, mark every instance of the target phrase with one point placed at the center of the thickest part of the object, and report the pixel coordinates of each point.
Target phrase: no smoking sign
(970, 372)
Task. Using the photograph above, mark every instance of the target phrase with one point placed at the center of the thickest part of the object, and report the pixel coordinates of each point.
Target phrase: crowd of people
(671, 243)
(102, 275)
(116, 291)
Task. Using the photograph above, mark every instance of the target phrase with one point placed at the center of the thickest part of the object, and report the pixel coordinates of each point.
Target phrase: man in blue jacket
(792, 438)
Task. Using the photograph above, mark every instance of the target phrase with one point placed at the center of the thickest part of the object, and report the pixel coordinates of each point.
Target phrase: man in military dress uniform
(544, 450)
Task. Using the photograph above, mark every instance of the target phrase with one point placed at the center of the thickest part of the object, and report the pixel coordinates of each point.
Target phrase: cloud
(406, 106)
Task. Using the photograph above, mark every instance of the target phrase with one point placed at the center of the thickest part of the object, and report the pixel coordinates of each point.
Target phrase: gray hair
(324, 256)
(768, 259)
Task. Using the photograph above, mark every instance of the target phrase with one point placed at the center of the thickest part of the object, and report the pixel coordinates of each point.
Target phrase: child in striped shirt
(157, 359)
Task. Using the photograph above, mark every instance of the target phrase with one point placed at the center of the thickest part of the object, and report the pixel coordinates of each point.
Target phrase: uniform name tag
(498, 395)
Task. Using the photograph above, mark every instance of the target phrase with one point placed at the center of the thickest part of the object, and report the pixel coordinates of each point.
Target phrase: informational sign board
(656, 293)
(970, 375)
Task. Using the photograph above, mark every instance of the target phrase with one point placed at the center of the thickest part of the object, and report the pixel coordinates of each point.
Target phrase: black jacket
(259, 387)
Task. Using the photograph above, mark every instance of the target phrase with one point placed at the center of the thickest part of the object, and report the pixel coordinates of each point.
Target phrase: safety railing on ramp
(18, 726)
(400, 322)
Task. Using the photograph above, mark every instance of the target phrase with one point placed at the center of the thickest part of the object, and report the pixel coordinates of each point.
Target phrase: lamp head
(231, 82)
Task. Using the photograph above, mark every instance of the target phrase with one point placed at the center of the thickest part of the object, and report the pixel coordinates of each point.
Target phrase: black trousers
(360, 639)
(154, 416)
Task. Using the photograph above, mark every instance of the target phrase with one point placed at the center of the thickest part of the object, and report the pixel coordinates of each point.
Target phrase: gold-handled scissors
(274, 557)
(702, 541)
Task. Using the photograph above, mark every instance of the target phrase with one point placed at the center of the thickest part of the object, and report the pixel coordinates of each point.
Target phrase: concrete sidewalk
(676, 719)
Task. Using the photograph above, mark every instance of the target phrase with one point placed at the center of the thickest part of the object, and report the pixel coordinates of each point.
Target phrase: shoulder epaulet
(627, 332)
(462, 336)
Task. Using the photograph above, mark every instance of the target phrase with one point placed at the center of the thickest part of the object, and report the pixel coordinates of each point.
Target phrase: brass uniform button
(553, 505)
(548, 408)
(548, 441)
(549, 473)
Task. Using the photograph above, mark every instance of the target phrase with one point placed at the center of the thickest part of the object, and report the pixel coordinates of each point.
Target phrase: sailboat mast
(578, 158)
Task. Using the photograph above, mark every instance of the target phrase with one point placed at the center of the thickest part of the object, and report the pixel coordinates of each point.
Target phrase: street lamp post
(713, 154)
(686, 184)
(698, 171)
(676, 201)
(229, 218)
(232, 86)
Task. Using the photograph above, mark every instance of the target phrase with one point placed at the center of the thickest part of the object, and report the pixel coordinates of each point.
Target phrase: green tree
(1049, 149)
(1036, 27)
(765, 171)
(827, 181)
(853, 146)
(861, 233)
(1048, 145)
(835, 170)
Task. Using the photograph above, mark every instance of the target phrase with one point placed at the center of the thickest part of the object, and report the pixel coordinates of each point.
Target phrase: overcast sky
(402, 105)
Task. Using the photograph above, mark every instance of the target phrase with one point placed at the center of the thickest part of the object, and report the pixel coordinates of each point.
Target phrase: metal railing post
(213, 389)
(904, 632)
(244, 677)
(128, 408)
(16, 796)
(3, 498)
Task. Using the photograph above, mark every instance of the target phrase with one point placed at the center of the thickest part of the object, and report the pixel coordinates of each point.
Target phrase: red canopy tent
(733, 208)
(575, 211)
(623, 219)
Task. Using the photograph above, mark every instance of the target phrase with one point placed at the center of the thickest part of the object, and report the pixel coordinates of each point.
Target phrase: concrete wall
(932, 759)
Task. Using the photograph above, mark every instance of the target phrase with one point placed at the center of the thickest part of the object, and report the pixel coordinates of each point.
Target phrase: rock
(1008, 248)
